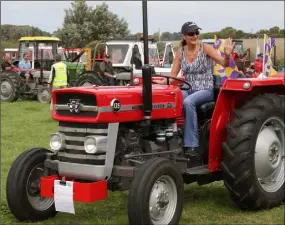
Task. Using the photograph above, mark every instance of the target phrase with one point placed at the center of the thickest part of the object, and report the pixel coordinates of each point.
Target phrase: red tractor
(129, 138)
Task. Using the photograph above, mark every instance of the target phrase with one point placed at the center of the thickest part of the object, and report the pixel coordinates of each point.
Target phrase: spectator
(240, 62)
(58, 75)
(6, 64)
(107, 70)
(258, 64)
(25, 68)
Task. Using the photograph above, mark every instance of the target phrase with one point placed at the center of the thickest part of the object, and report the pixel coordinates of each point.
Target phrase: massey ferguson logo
(74, 105)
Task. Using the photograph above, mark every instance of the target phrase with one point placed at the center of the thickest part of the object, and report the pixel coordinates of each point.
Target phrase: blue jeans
(191, 100)
(111, 81)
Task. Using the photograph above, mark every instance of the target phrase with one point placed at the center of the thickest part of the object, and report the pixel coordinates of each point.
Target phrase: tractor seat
(209, 105)
(206, 106)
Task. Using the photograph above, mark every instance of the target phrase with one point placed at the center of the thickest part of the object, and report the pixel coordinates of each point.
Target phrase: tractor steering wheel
(174, 78)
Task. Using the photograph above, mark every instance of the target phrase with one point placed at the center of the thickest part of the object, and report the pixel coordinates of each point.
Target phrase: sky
(249, 16)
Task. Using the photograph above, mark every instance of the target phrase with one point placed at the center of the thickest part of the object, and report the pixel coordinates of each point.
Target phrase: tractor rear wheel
(253, 158)
(10, 86)
(156, 194)
(89, 79)
(23, 187)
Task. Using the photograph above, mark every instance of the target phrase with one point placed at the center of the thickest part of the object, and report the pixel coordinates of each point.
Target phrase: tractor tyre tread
(239, 149)
(16, 187)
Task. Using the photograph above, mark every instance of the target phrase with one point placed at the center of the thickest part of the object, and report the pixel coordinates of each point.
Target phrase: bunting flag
(224, 72)
(268, 69)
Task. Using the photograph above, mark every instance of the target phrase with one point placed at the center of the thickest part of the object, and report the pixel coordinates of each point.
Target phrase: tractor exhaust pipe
(146, 69)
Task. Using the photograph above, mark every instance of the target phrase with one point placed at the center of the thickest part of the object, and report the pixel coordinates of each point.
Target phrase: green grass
(28, 124)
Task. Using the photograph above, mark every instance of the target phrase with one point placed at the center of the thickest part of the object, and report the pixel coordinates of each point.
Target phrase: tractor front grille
(75, 134)
(67, 102)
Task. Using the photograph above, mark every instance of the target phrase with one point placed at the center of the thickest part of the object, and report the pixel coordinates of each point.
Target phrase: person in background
(6, 64)
(235, 55)
(258, 64)
(107, 70)
(59, 76)
(240, 62)
(25, 68)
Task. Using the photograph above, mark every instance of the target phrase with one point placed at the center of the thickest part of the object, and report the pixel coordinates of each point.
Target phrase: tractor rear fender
(232, 95)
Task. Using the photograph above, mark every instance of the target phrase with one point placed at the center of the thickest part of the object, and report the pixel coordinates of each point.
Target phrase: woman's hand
(229, 46)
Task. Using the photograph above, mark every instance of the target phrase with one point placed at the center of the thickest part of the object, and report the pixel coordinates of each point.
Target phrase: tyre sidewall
(15, 82)
(149, 178)
(274, 197)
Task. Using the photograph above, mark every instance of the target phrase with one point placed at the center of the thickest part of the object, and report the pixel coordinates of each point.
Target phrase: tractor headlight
(136, 81)
(246, 85)
(95, 144)
(57, 141)
(90, 145)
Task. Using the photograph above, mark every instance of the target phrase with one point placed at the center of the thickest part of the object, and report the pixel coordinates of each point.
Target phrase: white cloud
(168, 16)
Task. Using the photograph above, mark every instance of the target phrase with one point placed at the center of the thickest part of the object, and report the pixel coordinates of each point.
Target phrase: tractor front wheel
(156, 194)
(44, 95)
(23, 187)
(253, 160)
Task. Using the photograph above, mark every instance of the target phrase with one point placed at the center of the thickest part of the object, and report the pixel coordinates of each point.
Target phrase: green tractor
(77, 60)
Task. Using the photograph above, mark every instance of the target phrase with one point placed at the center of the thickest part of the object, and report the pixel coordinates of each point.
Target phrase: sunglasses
(191, 34)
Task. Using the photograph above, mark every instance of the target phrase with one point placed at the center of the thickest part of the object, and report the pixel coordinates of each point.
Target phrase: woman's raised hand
(229, 46)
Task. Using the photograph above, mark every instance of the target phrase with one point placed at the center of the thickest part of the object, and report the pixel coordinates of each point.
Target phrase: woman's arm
(176, 65)
(210, 51)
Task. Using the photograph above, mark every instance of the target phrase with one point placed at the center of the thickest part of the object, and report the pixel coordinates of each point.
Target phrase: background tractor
(106, 140)
(127, 57)
(41, 52)
(78, 61)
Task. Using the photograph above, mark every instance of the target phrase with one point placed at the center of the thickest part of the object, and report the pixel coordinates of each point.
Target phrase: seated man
(25, 68)
(6, 64)
(107, 70)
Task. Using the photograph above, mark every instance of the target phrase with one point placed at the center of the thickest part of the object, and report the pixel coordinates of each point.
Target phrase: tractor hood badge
(74, 105)
(116, 105)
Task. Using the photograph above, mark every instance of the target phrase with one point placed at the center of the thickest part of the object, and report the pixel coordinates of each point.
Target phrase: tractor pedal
(198, 170)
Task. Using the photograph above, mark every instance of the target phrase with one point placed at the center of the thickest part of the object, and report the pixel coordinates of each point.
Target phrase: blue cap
(189, 27)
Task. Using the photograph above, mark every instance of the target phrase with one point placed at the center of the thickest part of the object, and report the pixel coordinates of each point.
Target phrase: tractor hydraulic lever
(146, 69)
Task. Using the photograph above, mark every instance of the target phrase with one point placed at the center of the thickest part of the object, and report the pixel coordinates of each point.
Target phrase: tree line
(84, 26)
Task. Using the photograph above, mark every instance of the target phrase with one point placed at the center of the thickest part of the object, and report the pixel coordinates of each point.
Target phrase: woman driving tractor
(195, 60)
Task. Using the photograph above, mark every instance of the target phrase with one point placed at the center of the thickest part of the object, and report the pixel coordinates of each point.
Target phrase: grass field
(28, 124)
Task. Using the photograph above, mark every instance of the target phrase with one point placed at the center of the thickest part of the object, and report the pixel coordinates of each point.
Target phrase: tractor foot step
(203, 169)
